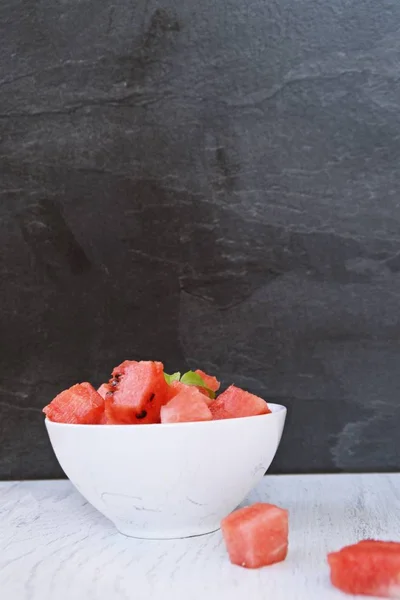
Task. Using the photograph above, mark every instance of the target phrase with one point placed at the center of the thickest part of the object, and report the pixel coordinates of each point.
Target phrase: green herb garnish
(189, 378)
(170, 378)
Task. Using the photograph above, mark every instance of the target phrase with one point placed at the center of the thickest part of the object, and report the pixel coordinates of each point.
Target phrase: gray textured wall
(212, 184)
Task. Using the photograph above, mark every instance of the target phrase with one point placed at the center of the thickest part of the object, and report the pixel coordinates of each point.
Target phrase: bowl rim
(278, 408)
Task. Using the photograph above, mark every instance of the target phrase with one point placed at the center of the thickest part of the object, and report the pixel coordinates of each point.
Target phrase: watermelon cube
(104, 389)
(218, 410)
(104, 420)
(211, 382)
(177, 386)
(79, 404)
(257, 535)
(120, 369)
(236, 403)
(370, 568)
(174, 388)
(137, 392)
(188, 405)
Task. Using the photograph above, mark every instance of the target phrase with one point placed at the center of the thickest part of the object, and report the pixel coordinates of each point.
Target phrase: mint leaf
(189, 378)
(170, 378)
(192, 378)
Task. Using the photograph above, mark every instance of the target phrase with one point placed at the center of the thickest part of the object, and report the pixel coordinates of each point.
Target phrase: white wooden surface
(53, 545)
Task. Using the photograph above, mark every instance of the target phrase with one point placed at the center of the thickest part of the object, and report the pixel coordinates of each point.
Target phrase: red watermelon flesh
(370, 568)
(257, 535)
(79, 404)
(138, 392)
(210, 381)
(188, 405)
(103, 420)
(104, 389)
(177, 386)
(174, 388)
(120, 369)
(111, 416)
(235, 403)
(218, 410)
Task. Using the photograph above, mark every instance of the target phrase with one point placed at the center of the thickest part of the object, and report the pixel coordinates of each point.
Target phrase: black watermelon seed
(141, 415)
(152, 397)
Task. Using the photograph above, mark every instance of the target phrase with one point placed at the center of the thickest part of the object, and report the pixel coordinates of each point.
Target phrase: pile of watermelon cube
(140, 392)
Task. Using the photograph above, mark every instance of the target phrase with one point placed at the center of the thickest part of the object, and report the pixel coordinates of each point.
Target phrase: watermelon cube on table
(137, 392)
(370, 568)
(80, 404)
(236, 403)
(188, 405)
(257, 535)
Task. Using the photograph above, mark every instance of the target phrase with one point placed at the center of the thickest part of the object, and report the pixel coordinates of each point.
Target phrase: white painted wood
(53, 545)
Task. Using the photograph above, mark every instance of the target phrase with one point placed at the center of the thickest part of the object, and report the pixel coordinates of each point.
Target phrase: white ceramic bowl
(170, 480)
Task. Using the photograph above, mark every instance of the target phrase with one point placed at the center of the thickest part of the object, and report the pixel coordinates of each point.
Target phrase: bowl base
(141, 534)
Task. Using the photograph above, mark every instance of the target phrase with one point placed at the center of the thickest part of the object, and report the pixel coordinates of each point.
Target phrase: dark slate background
(212, 184)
